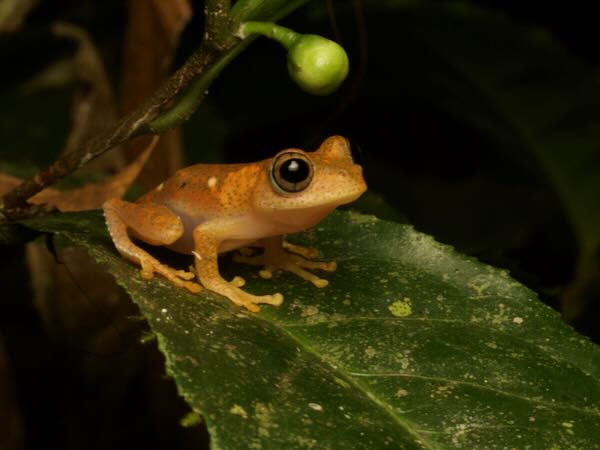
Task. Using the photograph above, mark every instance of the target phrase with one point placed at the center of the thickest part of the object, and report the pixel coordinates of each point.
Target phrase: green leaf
(272, 10)
(513, 82)
(412, 345)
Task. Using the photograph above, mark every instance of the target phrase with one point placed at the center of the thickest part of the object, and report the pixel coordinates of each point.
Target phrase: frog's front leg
(207, 238)
(154, 224)
(275, 257)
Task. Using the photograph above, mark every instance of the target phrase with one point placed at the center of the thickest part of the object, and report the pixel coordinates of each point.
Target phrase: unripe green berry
(317, 64)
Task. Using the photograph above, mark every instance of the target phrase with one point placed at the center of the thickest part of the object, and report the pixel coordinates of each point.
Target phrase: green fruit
(317, 64)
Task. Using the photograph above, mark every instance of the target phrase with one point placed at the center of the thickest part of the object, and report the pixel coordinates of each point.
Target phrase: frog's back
(202, 191)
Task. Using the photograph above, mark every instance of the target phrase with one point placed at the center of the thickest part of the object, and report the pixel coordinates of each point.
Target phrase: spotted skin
(204, 210)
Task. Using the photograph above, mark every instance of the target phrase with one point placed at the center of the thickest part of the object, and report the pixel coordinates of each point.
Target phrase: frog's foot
(237, 280)
(179, 278)
(280, 259)
(249, 301)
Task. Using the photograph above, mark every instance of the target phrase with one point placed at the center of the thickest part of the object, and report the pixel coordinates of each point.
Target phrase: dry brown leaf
(13, 14)
(152, 36)
(73, 294)
(77, 298)
(69, 295)
(90, 196)
(94, 107)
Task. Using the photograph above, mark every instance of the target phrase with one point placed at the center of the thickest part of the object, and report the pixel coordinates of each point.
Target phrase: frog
(205, 210)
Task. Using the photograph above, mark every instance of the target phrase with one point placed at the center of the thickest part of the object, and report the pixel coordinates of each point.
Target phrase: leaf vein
(548, 404)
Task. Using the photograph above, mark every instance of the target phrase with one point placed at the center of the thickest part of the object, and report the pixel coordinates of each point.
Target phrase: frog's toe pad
(251, 302)
(320, 283)
(330, 266)
(194, 288)
(274, 299)
(266, 273)
(146, 274)
(184, 274)
(238, 281)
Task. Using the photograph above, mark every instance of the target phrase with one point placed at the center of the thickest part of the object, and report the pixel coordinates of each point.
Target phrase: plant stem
(218, 24)
(211, 52)
(192, 95)
(129, 126)
(217, 49)
(283, 35)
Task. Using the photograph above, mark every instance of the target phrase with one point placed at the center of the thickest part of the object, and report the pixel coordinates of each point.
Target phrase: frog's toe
(184, 274)
(194, 288)
(146, 268)
(274, 299)
(179, 278)
(329, 266)
(307, 252)
(267, 272)
(238, 281)
(252, 307)
(297, 269)
(251, 302)
(147, 274)
(320, 283)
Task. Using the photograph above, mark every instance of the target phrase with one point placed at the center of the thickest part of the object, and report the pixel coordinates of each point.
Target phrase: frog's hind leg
(279, 254)
(154, 224)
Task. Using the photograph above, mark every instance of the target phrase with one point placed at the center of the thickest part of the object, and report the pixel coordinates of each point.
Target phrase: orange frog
(207, 209)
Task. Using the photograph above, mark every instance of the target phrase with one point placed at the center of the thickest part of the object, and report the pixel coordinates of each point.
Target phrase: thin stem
(363, 56)
(283, 35)
(190, 98)
(218, 23)
(136, 122)
(218, 48)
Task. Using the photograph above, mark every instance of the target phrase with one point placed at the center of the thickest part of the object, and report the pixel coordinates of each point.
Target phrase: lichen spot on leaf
(401, 308)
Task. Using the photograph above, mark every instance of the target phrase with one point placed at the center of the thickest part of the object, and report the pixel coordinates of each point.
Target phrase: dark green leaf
(377, 205)
(272, 10)
(515, 83)
(411, 346)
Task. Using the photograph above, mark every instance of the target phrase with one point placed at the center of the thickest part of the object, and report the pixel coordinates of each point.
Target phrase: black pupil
(294, 170)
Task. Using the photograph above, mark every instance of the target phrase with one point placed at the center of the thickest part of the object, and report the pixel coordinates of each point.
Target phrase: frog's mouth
(295, 220)
(301, 217)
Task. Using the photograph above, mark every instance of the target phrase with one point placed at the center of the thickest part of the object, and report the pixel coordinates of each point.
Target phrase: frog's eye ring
(291, 171)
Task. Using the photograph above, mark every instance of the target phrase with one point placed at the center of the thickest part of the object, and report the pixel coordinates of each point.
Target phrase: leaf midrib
(349, 376)
(407, 425)
(542, 348)
(550, 405)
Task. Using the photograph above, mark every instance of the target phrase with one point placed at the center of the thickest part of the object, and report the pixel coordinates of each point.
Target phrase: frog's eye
(291, 171)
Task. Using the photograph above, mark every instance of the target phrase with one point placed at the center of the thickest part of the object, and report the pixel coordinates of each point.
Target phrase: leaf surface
(412, 345)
